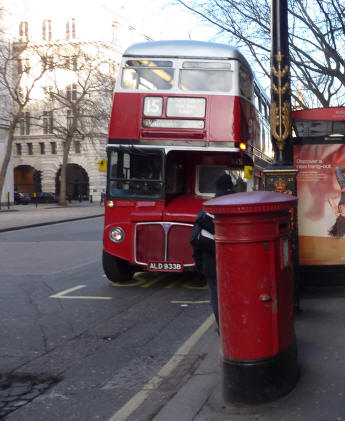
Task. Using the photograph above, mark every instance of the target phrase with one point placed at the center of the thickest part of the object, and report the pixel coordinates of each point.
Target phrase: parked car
(21, 198)
(44, 197)
(27, 198)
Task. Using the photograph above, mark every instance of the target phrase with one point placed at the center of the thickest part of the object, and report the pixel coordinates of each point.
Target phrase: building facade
(80, 49)
(5, 105)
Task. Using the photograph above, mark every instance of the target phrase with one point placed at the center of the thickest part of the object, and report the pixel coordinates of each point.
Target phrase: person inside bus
(338, 229)
(149, 168)
(202, 241)
(155, 169)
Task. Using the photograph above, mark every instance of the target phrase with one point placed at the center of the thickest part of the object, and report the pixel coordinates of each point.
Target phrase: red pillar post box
(255, 294)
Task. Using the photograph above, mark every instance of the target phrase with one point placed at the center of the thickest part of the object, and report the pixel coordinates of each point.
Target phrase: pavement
(19, 216)
(319, 394)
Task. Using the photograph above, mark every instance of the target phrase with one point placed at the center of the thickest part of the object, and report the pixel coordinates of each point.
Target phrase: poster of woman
(321, 205)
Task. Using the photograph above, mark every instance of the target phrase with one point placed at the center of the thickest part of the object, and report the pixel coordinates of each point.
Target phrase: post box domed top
(250, 202)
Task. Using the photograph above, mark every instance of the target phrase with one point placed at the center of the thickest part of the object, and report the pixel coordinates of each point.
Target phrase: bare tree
(79, 89)
(19, 77)
(316, 39)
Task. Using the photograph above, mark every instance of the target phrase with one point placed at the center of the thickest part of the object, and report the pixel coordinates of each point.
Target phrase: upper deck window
(327, 129)
(147, 75)
(206, 76)
(246, 83)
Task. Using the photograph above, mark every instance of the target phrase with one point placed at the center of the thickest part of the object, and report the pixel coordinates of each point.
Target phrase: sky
(159, 19)
(166, 20)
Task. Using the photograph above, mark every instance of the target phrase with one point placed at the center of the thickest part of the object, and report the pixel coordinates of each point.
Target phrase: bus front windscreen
(135, 174)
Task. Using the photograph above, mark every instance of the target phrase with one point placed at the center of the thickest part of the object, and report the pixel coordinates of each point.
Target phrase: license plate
(165, 267)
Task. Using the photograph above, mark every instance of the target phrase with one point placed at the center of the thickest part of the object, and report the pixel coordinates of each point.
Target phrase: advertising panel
(321, 192)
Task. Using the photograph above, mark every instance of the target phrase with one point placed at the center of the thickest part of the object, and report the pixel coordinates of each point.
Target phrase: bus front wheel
(115, 269)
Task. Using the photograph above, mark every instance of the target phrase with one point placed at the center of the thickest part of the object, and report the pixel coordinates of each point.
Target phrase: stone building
(69, 40)
(5, 105)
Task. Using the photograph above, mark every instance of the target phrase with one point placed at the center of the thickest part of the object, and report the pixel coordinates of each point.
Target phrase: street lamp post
(281, 176)
(281, 122)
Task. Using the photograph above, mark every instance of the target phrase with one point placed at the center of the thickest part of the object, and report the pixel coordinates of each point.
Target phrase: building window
(42, 148)
(72, 63)
(77, 146)
(23, 31)
(71, 92)
(30, 149)
(53, 147)
(70, 29)
(24, 124)
(69, 119)
(19, 148)
(48, 122)
(47, 30)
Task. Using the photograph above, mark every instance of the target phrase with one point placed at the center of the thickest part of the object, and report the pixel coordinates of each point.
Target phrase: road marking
(63, 295)
(190, 302)
(188, 285)
(172, 285)
(158, 278)
(144, 282)
(123, 413)
(138, 282)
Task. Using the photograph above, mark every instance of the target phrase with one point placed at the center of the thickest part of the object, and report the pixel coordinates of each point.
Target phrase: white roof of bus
(184, 49)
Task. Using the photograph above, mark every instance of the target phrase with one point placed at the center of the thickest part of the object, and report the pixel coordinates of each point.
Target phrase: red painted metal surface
(147, 244)
(332, 113)
(179, 248)
(226, 120)
(183, 208)
(255, 274)
(164, 243)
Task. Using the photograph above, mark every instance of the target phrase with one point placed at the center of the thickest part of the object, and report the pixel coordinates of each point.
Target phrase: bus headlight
(117, 234)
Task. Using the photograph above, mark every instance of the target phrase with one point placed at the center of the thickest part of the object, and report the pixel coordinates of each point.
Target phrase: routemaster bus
(184, 112)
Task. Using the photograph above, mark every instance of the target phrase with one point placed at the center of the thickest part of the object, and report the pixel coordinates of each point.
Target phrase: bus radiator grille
(163, 242)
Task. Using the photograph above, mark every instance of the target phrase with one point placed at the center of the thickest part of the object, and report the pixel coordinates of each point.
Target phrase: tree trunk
(63, 174)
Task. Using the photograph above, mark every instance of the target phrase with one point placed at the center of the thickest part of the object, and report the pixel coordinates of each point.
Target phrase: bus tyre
(116, 270)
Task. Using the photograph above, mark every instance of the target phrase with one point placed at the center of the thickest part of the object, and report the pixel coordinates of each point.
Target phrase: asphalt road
(73, 345)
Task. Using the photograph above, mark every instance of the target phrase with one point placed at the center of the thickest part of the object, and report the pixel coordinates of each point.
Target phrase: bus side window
(174, 179)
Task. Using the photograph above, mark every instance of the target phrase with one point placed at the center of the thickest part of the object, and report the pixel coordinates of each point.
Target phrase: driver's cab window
(136, 174)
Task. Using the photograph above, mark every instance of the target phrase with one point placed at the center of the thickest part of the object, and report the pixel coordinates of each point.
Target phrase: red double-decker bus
(184, 112)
